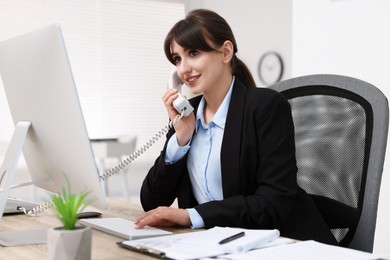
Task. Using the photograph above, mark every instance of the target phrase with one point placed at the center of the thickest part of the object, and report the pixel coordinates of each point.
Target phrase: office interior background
(116, 52)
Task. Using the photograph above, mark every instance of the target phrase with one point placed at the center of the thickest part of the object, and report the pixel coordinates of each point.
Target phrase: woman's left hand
(163, 217)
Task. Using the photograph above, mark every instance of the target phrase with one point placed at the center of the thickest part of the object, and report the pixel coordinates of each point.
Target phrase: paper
(201, 244)
(305, 250)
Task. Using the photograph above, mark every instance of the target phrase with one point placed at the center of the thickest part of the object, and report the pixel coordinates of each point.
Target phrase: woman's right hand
(186, 125)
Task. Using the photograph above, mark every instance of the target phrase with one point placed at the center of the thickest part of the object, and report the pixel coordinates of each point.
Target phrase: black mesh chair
(341, 126)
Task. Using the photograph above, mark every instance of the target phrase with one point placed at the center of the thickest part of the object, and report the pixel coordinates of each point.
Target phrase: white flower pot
(69, 244)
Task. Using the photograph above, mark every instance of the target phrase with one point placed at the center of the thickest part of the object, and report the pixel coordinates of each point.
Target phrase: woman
(232, 161)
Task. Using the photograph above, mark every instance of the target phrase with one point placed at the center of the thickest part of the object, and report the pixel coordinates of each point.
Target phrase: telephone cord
(116, 169)
(38, 209)
(124, 163)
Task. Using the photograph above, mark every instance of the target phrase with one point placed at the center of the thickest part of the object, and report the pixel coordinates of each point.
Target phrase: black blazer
(258, 172)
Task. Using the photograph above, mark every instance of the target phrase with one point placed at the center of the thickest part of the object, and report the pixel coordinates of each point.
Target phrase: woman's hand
(186, 125)
(163, 217)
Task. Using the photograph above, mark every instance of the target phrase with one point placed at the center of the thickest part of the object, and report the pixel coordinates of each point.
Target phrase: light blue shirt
(203, 163)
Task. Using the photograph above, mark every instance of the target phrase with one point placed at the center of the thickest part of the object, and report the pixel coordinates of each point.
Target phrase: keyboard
(122, 228)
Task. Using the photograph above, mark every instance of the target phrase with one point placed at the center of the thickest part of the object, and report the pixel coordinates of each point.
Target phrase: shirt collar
(219, 117)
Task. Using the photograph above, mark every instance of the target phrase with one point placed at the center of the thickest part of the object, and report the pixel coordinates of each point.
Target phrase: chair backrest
(124, 146)
(341, 126)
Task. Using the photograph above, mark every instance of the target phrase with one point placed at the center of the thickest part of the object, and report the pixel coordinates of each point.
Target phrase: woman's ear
(228, 51)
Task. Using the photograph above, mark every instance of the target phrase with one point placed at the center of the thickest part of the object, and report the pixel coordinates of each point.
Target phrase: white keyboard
(122, 228)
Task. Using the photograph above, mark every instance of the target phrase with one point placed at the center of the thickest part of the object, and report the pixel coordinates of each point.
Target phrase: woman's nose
(183, 68)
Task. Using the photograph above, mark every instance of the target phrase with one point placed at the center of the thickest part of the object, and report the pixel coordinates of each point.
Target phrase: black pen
(231, 238)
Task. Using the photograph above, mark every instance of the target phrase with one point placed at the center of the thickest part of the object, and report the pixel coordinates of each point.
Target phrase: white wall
(348, 37)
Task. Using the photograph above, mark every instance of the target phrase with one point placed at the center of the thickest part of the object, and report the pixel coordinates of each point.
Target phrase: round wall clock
(270, 68)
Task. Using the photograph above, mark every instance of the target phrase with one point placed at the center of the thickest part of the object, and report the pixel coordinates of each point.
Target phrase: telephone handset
(182, 106)
(180, 103)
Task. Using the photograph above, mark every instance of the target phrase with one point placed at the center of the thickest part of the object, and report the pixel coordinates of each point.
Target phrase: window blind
(115, 48)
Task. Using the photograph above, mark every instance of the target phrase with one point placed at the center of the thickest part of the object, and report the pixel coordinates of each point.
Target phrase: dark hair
(199, 26)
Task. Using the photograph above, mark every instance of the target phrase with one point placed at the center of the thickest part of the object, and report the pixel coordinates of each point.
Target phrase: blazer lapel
(231, 143)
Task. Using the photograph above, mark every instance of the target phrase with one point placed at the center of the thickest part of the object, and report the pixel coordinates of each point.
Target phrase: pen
(231, 238)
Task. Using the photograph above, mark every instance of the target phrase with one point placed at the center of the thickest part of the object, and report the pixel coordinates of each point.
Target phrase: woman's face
(200, 70)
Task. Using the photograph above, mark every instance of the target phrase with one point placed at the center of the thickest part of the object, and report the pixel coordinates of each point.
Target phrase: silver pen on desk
(231, 238)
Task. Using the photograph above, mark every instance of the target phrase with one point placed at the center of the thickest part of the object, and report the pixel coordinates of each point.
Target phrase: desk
(103, 245)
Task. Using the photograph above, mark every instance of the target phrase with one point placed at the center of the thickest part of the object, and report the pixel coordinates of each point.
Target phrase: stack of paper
(200, 244)
(305, 250)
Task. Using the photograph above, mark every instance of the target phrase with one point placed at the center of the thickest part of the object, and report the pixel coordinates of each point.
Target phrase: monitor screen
(40, 89)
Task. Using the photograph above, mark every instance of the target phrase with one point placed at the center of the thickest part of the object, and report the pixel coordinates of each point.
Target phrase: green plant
(67, 205)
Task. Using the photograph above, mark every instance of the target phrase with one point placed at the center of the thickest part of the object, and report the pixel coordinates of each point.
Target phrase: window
(116, 53)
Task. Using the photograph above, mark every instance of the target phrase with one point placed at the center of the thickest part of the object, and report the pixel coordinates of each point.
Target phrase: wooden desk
(103, 245)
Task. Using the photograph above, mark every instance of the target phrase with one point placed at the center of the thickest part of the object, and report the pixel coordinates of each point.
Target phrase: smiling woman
(113, 47)
(231, 162)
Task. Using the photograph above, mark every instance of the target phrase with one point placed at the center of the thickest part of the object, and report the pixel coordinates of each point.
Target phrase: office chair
(114, 151)
(341, 126)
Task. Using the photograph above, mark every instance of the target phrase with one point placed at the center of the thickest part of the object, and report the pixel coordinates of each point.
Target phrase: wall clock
(270, 68)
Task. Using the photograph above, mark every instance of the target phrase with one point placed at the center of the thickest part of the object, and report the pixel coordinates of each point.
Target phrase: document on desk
(200, 244)
(304, 250)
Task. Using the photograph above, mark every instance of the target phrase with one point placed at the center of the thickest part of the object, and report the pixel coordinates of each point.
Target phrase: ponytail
(241, 71)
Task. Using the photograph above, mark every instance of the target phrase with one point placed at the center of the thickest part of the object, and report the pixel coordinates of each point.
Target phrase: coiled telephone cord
(124, 163)
(117, 168)
(38, 209)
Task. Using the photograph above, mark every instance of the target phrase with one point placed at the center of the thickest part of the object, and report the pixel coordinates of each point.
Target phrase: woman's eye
(194, 53)
(176, 59)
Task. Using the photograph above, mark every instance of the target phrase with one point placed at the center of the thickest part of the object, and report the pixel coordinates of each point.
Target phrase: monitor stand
(11, 159)
(8, 168)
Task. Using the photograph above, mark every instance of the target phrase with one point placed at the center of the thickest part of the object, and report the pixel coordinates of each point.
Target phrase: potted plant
(69, 241)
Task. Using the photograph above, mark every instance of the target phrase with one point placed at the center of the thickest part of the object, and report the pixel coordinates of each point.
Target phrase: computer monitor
(40, 89)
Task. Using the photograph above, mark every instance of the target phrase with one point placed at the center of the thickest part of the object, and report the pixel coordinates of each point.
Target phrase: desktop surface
(104, 246)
